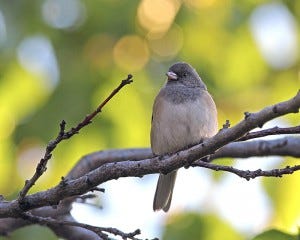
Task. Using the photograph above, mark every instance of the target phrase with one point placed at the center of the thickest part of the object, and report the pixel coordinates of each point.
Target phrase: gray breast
(179, 94)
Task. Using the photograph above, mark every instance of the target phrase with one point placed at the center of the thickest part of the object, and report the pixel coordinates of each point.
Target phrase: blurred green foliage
(103, 42)
(32, 232)
(275, 235)
(193, 226)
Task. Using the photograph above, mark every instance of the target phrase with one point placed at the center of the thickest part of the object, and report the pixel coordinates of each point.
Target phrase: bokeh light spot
(2, 29)
(63, 13)
(156, 16)
(131, 53)
(36, 55)
(275, 32)
(169, 45)
(98, 50)
(200, 3)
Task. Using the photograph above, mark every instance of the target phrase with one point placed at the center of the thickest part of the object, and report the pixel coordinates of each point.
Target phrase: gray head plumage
(185, 74)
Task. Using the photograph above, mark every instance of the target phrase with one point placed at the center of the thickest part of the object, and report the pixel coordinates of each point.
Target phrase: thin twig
(102, 232)
(88, 119)
(247, 174)
(62, 135)
(41, 167)
(98, 189)
(271, 131)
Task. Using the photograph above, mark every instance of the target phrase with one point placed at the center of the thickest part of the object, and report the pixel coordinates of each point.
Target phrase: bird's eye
(185, 74)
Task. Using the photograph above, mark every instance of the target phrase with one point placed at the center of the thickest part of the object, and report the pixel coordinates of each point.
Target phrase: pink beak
(172, 76)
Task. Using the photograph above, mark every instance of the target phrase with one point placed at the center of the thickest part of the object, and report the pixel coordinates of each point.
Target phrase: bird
(183, 114)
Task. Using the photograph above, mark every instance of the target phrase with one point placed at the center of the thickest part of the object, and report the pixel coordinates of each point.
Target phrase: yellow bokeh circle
(156, 16)
(131, 53)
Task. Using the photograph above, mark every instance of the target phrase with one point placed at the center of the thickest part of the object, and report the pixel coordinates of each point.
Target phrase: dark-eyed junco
(184, 113)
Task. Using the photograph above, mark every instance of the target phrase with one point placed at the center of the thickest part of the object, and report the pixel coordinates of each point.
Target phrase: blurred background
(60, 58)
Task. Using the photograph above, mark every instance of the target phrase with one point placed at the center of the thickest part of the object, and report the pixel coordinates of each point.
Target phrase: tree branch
(271, 131)
(62, 135)
(102, 232)
(163, 164)
(100, 167)
(287, 146)
(247, 174)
